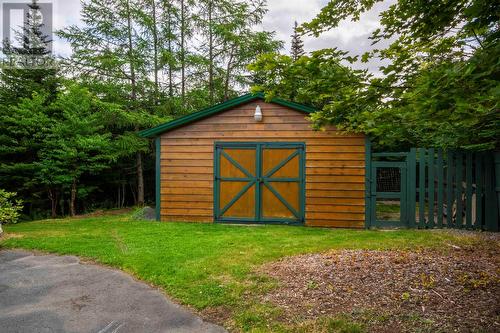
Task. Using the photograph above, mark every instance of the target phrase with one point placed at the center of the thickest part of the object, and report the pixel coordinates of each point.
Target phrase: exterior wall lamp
(258, 114)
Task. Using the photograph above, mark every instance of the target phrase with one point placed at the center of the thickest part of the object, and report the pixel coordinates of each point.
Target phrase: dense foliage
(318, 79)
(68, 128)
(441, 87)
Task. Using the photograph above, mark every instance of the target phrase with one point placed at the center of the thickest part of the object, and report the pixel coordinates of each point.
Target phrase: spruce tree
(28, 73)
(230, 43)
(297, 49)
(110, 55)
(170, 18)
(30, 67)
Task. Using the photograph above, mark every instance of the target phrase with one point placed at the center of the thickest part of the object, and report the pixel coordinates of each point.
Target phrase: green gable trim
(152, 132)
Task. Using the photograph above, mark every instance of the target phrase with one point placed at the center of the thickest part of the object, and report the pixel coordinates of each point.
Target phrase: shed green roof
(155, 131)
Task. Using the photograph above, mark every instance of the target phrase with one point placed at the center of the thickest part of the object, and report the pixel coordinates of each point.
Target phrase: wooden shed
(250, 161)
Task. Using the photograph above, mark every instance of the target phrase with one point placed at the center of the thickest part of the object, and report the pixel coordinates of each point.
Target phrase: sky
(349, 36)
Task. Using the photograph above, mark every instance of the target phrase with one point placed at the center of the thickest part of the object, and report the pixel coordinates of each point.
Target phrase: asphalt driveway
(48, 293)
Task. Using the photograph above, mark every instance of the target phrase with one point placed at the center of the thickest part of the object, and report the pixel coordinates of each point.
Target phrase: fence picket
(459, 189)
(430, 221)
(449, 188)
(412, 184)
(421, 188)
(490, 202)
(440, 188)
(479, 191)
(468, 191)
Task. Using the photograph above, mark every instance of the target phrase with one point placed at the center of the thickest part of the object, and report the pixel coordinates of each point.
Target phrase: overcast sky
(349, 36)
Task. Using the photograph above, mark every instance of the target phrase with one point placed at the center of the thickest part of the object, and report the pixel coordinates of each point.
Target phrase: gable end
(217, 109)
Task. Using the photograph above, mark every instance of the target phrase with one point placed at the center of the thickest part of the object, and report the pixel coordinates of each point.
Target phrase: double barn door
(259, 182)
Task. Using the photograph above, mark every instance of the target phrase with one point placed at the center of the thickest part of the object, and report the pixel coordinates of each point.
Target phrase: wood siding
(335, 164)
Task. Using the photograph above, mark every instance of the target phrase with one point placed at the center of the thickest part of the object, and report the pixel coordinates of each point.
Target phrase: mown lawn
(209, 267)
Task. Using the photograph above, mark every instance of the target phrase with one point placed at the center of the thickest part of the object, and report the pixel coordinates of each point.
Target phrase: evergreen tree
(134, 64)
(77, 143)
(29, 72)
(31, 66)
(111, 57)
(231, 44)
(297, 49)
(170, 18)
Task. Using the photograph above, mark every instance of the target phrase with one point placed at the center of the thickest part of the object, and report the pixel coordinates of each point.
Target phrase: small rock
(146, 213)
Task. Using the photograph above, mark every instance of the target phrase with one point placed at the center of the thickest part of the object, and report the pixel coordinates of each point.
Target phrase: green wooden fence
(434, 189)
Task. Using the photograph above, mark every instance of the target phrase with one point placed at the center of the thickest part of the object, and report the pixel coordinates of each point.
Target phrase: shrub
(9, 207)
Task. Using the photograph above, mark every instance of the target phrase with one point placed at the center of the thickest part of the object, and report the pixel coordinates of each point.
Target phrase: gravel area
(453, 289)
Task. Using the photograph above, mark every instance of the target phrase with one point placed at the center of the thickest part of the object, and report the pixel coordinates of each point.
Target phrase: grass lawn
(209, 267)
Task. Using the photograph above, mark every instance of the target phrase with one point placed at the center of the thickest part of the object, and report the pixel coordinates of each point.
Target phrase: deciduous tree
(441, 86)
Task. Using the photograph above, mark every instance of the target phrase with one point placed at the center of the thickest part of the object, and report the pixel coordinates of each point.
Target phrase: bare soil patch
(4, 236)
(219, 315)
(107, 212)
(454, 289)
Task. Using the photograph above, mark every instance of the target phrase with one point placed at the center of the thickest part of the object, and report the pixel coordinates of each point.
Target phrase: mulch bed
(454, 289)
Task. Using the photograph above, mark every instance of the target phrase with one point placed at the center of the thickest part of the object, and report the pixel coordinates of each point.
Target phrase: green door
(259, 182)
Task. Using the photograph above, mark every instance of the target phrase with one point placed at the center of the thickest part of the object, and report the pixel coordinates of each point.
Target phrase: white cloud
(66, 12)
(283, 13)
(349, 36)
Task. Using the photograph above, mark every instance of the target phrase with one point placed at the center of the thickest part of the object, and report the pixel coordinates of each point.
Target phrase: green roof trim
(155, 131)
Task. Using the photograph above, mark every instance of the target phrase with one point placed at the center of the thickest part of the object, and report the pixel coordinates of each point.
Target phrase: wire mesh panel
(388, 194)
(388, 179)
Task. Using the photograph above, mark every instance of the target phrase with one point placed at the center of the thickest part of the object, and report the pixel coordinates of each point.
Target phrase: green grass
(383, 207)
(204, 265)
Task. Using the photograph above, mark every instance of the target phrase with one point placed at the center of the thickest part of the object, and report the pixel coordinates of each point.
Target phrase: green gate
(431, 188)
(388, 194)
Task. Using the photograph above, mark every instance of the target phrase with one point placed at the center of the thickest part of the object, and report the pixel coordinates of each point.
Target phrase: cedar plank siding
(335, 164)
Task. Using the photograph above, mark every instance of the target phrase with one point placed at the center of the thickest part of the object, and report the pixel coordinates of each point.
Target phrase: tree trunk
(53, 202)
(155, 47)
(119, 198)
(210, 54)
(61, 203)
(170, 67)
(140, 181)
(133, 83)
(72, 207)
(122, 204)
(228, 75)
(134, 194)
(183, 62)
